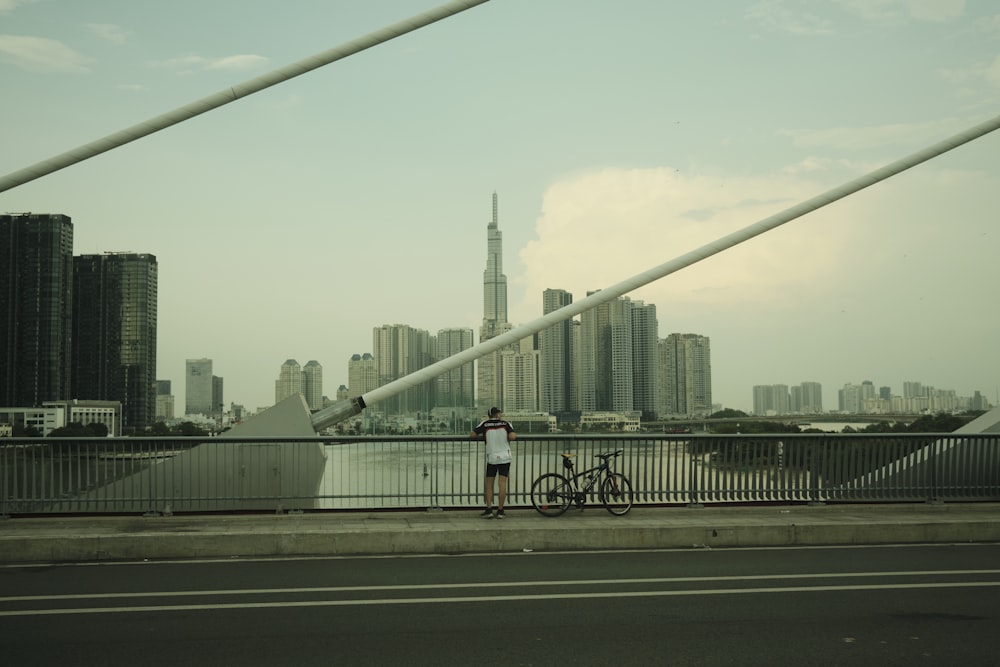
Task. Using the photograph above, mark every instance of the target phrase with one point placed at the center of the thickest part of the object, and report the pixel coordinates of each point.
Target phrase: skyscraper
(622, 359)
(555, 345)
(849, 398)
(218, 399)
(399, 349)
(114, 333)
(617, 357)
(362, 375)
(36, 308)
(490, 372)
(312, 384)
(164, 401)
(686, 375)
(645, 365)
(607, 355)
(595, 358)
(198, 387)
(456, 388)
(520, 377)
(812, 398)
(289, 381)
(494, 280)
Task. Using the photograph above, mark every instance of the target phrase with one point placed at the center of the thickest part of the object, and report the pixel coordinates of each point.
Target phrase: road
(930, 605)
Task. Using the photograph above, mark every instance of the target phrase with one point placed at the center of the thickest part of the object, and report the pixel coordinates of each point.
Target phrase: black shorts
(493, 469)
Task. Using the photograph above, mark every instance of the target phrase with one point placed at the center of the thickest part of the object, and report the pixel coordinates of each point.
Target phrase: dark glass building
(114, 333)
(36, 297)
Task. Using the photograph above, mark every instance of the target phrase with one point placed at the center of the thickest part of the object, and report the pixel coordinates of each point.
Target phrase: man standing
(497, 433)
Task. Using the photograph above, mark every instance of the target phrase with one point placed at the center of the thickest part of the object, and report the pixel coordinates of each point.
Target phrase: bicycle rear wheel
(551, 494)
(616, 493)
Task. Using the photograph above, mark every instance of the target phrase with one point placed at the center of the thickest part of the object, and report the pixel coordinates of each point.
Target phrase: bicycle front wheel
(551, 494)
(616, 494)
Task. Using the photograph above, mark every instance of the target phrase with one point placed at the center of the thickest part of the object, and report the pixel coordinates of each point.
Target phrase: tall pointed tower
(490, 372)
(494, 280)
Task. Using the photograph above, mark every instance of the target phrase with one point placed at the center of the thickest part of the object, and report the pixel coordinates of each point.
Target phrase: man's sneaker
(487, 514)
(500, 514)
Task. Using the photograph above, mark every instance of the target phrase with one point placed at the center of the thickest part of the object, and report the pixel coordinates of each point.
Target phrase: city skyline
(356, 195)
(114, 313)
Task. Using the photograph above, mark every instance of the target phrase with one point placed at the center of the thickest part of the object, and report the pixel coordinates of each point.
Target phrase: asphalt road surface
(907, 605)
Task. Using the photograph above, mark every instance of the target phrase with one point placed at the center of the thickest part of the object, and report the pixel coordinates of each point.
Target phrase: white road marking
(482, 598)
(496, 584)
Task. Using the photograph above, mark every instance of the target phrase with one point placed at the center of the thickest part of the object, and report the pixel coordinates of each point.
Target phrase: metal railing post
(693, 465)
(435, 502)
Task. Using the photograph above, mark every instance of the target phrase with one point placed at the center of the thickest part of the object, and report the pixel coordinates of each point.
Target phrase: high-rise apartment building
(686, 375)
(456, 388)
(610, 346)
(645, 362)
(574, 374)
(312, 384)
(36, 308)
(805, 398)
(362, 375)
(198, 387)
(490, 366)
(622, 359)
(764, 401)
(849, 398)
(772, 399)
(811, 402)
(289, 382)
(218, 400)
(595, 358)
(520, 377)
(400, 350)
(164, 401)
(555, 346)
(114, 333)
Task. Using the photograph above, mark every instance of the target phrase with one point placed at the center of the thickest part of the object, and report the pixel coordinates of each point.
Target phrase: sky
(617, 136)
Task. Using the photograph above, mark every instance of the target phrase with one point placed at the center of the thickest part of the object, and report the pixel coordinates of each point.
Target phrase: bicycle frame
(592, 475)
(553, 493)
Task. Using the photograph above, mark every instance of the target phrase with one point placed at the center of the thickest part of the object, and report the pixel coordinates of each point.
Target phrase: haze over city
(290, 223)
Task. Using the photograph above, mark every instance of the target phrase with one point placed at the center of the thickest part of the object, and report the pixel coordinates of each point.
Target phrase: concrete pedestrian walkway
(104, 538)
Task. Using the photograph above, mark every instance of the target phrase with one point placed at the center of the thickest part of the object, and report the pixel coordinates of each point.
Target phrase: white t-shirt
(495, 433)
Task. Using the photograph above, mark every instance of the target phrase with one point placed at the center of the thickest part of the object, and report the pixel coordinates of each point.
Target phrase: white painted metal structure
(233, 93)
(347, 408)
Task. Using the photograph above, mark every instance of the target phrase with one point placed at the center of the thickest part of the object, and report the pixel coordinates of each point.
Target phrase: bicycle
(553, 493)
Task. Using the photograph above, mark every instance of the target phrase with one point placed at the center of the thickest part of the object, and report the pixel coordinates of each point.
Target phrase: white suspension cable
(233, 93)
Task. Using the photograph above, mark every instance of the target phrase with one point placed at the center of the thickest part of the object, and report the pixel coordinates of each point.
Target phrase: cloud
(10, 5)
(40, 54)
(795, 17)
(989, 25)
(236, 62)
(936, 10)
(922, 10)
(864, 138)
(109, 32)
(972, 79)
(185, 64)
(992, 72)
(599, 228)
(787, 16)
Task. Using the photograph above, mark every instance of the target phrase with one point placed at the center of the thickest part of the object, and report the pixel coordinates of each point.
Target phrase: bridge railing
(126, 475)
